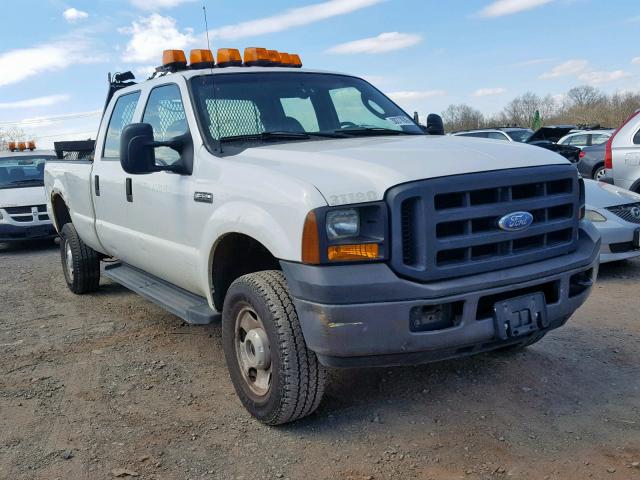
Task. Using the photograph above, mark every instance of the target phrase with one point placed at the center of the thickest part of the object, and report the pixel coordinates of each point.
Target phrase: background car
(591, 164)
(586, 138)
(615, 212)
(622, 154)
(510, 134)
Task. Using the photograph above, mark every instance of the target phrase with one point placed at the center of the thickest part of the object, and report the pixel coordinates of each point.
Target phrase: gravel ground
(109, 385)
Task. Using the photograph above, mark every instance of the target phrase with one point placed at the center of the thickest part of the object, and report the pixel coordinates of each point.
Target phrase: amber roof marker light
(229, 57)
(256, 57)
(173, 60)
(201, 58)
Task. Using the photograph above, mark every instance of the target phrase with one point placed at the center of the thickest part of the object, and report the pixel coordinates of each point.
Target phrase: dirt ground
(109, 384)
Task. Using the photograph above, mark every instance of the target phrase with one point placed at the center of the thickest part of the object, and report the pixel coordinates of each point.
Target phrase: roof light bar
(201, 58)
(274, 58)
(229, 57)
(295, 60)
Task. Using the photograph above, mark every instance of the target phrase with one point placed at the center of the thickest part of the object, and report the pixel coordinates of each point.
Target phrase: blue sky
(427, 54)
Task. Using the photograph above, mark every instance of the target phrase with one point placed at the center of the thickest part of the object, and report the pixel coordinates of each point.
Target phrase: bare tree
(10, 135)
(462, 117)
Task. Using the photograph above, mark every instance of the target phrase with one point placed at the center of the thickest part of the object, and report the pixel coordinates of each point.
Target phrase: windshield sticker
(400, 120)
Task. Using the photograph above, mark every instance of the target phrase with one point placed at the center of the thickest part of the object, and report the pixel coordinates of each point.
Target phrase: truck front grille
(629, 212)
(448, 227)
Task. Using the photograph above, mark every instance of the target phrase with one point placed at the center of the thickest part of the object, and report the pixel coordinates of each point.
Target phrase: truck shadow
(626, 269)
(29, 247)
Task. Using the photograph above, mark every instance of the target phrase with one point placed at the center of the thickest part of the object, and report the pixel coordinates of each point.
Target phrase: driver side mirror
(435, 125)
(137, 155)
(137, 150)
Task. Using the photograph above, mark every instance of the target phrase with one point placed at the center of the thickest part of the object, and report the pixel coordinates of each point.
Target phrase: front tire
(277, 378)
(80, 263)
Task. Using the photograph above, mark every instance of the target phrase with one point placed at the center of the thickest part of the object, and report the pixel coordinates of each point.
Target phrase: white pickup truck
(327, 227)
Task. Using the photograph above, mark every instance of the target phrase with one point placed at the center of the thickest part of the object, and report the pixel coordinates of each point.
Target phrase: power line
(57, 118)
(75, 134)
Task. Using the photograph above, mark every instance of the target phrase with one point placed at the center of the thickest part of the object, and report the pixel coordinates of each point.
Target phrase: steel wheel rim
(68, 258)
(253, 351)
(600, 173)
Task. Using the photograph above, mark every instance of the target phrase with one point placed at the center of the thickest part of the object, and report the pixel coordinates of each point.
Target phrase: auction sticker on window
(400, 120)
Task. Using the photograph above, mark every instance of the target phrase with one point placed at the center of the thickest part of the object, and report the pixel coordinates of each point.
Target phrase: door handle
(129, 190)
(96, 181)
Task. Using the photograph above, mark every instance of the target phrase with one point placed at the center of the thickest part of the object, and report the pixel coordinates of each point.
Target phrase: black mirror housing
(435, 125)
(137, 155)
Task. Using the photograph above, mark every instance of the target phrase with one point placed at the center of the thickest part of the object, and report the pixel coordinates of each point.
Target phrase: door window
(121, 116)
(474, 134)
(598, 138)
(636, 139)
(497, 136)
(165, 113)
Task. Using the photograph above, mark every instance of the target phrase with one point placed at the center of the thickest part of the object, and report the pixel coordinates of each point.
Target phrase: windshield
(22, 171)
(262, 106)
(520, 135)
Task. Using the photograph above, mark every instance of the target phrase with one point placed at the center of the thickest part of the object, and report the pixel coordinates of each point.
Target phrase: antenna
(213, 87)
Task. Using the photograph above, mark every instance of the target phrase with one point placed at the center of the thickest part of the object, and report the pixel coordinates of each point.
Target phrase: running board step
(190, 307)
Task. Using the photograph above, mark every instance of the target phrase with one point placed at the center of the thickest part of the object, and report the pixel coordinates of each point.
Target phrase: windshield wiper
(371, 131)
(280, 135)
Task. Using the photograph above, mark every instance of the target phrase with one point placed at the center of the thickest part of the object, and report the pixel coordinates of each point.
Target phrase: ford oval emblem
(516, 221)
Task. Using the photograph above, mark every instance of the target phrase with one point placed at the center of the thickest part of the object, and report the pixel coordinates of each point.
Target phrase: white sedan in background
(616, 214)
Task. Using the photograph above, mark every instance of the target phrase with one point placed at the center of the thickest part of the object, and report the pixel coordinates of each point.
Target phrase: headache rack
(75, 149)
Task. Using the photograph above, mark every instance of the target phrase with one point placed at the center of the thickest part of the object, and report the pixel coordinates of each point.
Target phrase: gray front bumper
(359, 315)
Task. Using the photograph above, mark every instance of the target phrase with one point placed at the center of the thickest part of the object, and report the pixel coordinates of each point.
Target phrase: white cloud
(635, 61)
(535, 61)
(416, 95)
(294, 17)
(151, 35)
(19, 64)
(73, 15)
(157, 4)
(45, 101)
(145, 70)
(385, 42)
(486, 92)
(500, 8)
(570, 67)
(601, 77)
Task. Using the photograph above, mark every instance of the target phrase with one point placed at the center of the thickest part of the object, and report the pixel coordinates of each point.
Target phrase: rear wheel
(80, 263)
(277, 378)
(599, 172)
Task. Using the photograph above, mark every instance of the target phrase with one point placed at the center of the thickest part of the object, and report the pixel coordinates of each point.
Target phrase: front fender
(281, 238)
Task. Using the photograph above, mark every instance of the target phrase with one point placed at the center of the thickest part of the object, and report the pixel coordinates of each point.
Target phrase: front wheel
(277, 378)
(80, 263)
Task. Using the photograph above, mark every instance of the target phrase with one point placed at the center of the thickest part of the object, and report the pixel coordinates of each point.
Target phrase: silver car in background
(622, 155)
(615, 212)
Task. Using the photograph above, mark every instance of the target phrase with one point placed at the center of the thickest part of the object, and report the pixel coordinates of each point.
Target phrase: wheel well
(596, 167)
(236, 255)
(60, 212)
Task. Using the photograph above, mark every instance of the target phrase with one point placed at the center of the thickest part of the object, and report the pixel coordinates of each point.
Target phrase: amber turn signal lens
(174, 57)
(351, 253)
(201, 57)
(310, 240)
(229, 57)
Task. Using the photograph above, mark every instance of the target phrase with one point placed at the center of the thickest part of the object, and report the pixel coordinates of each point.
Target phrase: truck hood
(22, 197)
(362, 169)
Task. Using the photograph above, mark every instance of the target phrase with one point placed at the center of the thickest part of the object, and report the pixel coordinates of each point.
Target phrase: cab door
(164, 231)
(108, 183)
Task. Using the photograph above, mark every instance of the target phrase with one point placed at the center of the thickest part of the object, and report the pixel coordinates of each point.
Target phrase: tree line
(584, 105)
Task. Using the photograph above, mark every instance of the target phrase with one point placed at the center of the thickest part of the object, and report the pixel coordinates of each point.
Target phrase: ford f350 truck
(324, 224)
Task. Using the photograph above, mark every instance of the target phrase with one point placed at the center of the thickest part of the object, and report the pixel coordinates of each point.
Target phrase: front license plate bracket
(520, 316)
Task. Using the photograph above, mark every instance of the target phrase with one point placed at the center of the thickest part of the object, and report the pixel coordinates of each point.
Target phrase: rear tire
(283, 381)
(80, 263)
(599, 172)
